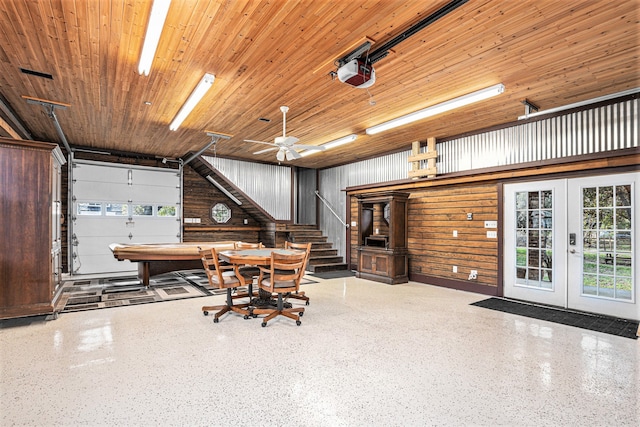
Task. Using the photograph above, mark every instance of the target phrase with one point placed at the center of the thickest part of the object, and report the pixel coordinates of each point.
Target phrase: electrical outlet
(455, 233)
(455, 268)
(474, 272)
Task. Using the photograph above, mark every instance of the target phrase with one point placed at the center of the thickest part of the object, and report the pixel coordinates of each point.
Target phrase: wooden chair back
(247, 245)
(284, 274)
(302, 247)
(219, 276)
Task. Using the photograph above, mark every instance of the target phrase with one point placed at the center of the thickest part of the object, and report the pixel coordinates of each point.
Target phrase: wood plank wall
(199, 197)
(433, 217)
(433, 251)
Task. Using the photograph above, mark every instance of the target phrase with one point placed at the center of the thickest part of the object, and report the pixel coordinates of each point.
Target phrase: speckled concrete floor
(367, 354)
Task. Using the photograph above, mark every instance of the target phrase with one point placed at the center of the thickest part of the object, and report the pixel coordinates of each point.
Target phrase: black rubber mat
(593, 322)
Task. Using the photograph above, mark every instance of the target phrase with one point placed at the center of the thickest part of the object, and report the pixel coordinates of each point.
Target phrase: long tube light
(159, 11)
(581, 103)
(331, 144)
(224, 190)
(451, 104)
(195, 97)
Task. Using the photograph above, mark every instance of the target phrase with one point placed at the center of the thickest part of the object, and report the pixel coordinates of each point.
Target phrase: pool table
(158, 258)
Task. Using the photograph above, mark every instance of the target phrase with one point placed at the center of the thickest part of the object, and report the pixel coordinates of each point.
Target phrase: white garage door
(121, 204)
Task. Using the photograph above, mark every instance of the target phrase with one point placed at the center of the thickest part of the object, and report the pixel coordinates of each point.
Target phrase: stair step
(313, 239)
(320, 268)
(301, 227)
(325, 260)
(306, 233)
(321, 245)
(323, 252)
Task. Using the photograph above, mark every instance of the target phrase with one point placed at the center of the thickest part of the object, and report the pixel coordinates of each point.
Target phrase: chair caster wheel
(298, 322)
(246, 317)
(206, 313)
(301, 314)
(254, 315)
(264, 324)
(306, 303)
(215, 320)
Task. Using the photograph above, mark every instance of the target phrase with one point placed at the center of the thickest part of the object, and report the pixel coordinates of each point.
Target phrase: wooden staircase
(323, 257)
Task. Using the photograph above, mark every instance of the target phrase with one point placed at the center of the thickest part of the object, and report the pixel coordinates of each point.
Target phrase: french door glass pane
(607, 258)
(534, 243)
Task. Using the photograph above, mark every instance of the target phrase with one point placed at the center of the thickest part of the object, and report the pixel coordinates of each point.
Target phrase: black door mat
(593, 322)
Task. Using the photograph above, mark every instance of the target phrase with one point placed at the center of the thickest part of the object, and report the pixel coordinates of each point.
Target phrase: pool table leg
(143, 272)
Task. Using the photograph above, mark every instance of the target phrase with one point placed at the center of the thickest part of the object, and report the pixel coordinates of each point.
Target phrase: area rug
(593, 322)
(92, 294)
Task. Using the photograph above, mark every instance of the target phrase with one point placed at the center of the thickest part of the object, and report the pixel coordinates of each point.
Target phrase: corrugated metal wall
(269, 185)
(333, 181)
(606, 128)
(306, 200)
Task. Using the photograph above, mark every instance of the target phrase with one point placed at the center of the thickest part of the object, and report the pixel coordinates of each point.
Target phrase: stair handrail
(322, 199)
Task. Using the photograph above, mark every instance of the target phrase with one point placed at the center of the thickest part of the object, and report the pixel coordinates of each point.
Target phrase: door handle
(573, 251)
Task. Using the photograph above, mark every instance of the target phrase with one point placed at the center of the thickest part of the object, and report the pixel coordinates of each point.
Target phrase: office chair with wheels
(282, 277)
(222, 277)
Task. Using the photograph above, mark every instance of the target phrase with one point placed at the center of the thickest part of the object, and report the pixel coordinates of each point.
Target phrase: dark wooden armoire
(30, 227)
(382, 237)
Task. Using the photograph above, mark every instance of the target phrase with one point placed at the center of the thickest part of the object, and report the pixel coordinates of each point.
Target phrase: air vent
(264, 119)
(37, 73)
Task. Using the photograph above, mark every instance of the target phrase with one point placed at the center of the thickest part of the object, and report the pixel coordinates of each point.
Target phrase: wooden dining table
(260, 256)
(255, 257)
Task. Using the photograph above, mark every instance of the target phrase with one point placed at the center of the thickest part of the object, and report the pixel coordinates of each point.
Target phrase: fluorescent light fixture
(159, 11)
(581, 103)
(451, 104)
(192, 101)
(224, 190)
(331, 144)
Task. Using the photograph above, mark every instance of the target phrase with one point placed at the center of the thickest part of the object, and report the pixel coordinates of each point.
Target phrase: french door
(573, 243)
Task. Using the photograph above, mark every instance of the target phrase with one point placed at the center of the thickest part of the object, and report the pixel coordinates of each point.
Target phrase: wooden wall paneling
(265, 54)
(434, 217)
(198, 199)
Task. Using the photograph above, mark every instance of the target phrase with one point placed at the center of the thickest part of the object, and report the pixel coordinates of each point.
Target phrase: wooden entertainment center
(382, 237)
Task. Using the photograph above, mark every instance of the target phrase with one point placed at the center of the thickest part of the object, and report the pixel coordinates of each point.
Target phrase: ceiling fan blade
(266, 150)
(309, 147)
(291, 153)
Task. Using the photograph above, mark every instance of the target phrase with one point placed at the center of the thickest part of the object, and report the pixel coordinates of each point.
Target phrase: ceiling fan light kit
(205, 84)
(433, 110)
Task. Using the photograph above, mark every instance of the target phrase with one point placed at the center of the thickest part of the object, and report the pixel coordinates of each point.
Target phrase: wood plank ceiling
(268, 53)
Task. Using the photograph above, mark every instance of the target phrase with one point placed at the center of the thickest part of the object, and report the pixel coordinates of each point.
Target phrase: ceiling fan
(286, 145)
